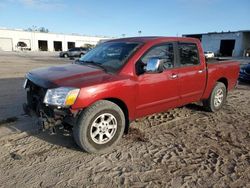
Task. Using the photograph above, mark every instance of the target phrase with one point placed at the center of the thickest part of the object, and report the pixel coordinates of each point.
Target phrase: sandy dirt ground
(184, 147)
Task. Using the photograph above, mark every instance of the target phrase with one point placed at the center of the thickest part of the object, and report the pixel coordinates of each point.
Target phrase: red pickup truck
(124, 79)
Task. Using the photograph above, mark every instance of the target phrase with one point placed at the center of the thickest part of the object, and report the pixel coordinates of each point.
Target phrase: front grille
(36, 90)
(35, 95)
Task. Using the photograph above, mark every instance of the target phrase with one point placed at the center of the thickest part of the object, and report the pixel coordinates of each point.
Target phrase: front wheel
(217, 98)
(99, 127)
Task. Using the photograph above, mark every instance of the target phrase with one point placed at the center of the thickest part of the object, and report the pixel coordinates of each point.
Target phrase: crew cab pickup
(124, 79)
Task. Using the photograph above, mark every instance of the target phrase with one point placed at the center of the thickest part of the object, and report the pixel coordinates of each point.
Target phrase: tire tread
(77, 129)
(208, 103)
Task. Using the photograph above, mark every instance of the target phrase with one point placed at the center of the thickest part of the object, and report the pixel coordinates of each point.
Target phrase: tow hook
(42, 124)
(52, 131)
(48, 124)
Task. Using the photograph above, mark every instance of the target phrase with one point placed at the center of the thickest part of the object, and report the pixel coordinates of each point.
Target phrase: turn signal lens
(71, 97)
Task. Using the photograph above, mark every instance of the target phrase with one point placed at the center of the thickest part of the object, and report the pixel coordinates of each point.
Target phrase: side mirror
(154, 65)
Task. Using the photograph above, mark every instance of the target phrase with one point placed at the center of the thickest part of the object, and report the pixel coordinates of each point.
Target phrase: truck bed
(217, 59)
(216, 68)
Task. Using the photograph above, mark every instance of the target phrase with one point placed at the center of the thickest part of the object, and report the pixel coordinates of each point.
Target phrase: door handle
(200, 71)
(174, 76)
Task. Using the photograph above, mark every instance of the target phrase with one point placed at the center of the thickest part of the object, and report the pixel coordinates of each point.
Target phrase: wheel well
(224, 81)
(124, 108)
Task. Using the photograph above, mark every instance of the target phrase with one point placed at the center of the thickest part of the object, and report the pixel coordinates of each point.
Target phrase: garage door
(5, 44)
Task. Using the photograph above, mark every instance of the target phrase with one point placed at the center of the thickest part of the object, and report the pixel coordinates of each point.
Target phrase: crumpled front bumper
(48, 116)
(45, 121)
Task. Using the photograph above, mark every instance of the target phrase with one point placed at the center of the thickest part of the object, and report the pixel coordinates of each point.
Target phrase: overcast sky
(117, 17)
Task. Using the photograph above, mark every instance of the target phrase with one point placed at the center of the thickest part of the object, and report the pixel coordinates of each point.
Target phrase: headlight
(62, 96)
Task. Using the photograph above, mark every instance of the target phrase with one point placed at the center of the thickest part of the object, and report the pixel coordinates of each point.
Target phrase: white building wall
(211, 42)
(33, 37)
(6, 44)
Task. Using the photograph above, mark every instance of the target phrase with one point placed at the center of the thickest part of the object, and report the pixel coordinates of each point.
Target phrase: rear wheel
(99, 127)
(217, 98)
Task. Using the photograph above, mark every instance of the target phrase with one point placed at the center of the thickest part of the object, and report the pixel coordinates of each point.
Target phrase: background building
(11, 40)
(225, 43)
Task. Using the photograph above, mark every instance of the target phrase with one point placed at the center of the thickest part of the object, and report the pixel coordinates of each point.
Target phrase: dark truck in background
(124, 79)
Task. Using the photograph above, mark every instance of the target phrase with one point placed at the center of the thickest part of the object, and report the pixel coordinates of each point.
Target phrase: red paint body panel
(156, 93)
(147, 93)
(123, 89)
(228, 70)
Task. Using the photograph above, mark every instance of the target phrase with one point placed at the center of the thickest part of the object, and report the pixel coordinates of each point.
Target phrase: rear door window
(188, 54)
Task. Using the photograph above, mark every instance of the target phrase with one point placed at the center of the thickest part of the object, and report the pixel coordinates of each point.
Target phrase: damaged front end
(51, 106)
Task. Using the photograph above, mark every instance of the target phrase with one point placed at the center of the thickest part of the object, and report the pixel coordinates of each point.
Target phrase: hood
(69, 75)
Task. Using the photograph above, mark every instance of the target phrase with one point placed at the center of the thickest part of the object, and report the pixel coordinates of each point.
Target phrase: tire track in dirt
(182, 147)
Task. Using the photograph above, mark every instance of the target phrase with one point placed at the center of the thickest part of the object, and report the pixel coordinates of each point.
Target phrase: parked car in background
(74, 52)
(22, 46)
(209, 54)
(245, 73)
(247, 52)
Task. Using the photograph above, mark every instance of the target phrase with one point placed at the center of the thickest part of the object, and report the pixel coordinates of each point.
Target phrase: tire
(92, 124)
(217, 98)
(65, 55)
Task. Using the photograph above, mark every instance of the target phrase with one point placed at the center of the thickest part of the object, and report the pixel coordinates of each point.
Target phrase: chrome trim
(25, 83)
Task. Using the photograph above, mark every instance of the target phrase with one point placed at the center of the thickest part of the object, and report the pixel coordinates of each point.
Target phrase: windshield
(72, 49)
(110, 55)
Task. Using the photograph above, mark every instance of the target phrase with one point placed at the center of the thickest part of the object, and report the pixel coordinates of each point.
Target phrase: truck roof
(153, 38)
